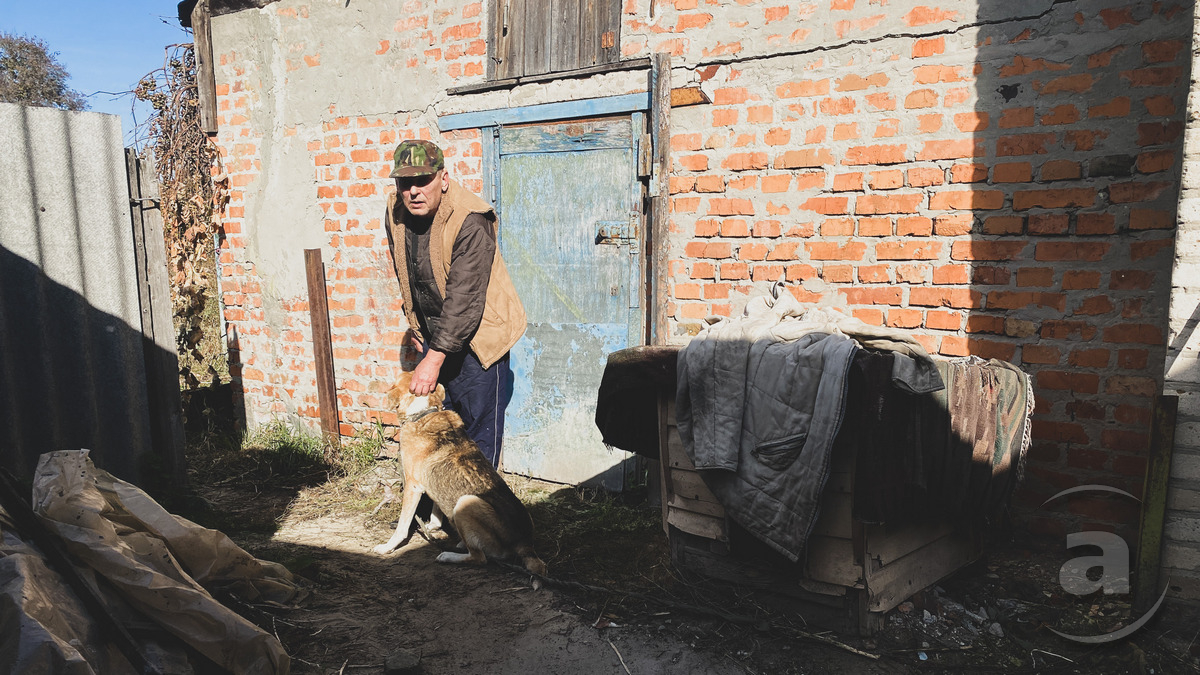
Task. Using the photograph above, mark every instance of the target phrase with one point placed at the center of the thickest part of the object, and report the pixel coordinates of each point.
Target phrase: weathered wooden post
(318, 311)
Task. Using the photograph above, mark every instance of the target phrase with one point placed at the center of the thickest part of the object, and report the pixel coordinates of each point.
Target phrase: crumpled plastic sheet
(161, 563)
(44, 629)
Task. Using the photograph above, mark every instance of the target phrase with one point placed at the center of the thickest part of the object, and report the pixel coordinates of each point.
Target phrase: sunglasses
(410, 182)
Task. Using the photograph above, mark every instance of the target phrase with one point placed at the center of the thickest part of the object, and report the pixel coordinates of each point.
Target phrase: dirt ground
(457, 619)
(994, 616)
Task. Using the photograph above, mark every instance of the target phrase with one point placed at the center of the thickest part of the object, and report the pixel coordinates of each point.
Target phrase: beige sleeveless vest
(503, 321)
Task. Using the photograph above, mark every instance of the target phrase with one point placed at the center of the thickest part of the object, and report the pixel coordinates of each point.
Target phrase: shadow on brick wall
(1069, 191)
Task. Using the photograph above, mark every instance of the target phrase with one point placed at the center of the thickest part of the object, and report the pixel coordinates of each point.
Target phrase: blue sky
(105, 46)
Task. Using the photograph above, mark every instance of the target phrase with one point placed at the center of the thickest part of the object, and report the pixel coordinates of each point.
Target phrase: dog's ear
(398, 390)
(437, 396)
(395, 394)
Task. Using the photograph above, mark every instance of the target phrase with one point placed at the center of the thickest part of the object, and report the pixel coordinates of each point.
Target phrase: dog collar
(428, 411)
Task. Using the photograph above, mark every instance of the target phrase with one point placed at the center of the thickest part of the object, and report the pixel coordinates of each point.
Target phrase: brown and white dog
(439, 460)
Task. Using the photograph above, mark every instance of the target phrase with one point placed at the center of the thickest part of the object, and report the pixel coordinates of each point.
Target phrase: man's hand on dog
(425, 376)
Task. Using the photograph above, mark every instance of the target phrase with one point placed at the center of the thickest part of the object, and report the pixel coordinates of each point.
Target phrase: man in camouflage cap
(460, 303)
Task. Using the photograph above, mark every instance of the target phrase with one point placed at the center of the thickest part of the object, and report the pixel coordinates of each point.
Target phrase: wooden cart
(859, 571)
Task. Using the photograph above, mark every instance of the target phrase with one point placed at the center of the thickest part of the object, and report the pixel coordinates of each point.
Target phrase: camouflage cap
(417, 158)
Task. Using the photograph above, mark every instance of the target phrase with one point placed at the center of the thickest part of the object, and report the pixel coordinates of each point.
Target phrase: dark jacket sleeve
(467, 283)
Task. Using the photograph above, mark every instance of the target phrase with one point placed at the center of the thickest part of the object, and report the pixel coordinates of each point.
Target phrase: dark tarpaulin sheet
(627, 401)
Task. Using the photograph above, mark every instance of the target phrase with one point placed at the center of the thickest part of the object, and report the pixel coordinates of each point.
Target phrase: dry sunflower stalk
(194, 191)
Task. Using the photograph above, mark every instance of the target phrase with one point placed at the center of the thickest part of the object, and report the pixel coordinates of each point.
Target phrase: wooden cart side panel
(889, 585)
(704, 556)
(890, 563)
(698, 524)
(821, 587)
(677, 456)
(831, 560)
(691, 506)
(697, 506)
(690, 485)
(888, 543)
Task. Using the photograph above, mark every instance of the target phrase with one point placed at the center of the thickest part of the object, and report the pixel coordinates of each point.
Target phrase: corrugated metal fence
(77, 309)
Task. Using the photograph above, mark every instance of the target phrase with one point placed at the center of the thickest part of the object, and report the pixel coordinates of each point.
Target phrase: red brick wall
(349, 158)
(1007, 192)
(1003, 187)
(274, 360)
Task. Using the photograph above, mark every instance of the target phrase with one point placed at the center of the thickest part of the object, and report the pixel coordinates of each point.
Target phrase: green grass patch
(275, 471)
(358, 455)
(274, 455)
(280, 455)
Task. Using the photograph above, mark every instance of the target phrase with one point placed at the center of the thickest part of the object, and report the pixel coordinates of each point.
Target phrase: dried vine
(193, 192)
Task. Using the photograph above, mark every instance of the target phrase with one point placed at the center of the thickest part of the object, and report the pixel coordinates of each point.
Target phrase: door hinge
(635, 266)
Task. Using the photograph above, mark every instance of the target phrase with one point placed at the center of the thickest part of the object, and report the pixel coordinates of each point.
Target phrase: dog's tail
(530, 560)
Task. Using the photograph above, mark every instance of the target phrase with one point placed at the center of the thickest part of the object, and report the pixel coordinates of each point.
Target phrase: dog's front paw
(383, 549)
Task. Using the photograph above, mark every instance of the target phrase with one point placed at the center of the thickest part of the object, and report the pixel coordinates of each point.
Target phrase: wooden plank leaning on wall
(318, 310)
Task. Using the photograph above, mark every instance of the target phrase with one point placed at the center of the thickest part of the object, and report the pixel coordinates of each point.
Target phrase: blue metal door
(570, 209)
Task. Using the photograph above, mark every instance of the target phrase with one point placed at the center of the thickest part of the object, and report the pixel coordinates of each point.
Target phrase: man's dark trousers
(480, 397)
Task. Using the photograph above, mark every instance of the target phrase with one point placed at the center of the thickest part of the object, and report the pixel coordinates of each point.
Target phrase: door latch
(616, 232)
(625, 232)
